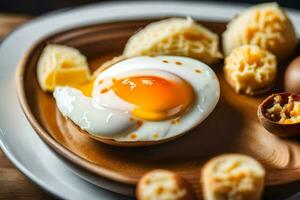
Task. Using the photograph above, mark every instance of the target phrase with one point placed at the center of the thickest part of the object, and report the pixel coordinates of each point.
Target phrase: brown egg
(280, 114)
(292, 76)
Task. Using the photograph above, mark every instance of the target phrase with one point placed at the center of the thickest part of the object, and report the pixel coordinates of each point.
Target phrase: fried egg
(143, 99)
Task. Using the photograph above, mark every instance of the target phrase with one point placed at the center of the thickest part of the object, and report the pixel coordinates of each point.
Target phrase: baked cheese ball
(250, 69)
(61, 65)
(164, 185)
(175, 36)
(232, 177)
(265, 25)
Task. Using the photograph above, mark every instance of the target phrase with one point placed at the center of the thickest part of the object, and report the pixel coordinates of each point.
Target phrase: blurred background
(38, 7)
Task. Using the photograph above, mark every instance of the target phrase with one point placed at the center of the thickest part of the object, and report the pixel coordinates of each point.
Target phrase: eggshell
(281, 130)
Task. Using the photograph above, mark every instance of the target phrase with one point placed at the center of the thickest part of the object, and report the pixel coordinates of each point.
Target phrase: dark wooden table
(13, 184)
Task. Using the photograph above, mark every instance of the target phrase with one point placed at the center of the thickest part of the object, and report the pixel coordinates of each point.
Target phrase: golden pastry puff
(265, 25)
(250, 69)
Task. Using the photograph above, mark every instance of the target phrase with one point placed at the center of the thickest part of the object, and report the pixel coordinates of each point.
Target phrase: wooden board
(232, 127)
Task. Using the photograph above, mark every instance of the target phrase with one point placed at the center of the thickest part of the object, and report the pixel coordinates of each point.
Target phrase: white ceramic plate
(19, 141)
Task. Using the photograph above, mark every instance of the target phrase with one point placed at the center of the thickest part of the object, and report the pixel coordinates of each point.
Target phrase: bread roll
(175, 36)
(232, 177)
(265, 25)
(250, 69)
(61, 65)
(164, 185)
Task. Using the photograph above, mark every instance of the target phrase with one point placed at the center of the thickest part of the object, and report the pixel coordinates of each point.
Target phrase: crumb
(133, 136)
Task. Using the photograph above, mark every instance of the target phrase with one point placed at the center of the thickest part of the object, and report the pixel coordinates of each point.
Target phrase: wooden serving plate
(232, 127)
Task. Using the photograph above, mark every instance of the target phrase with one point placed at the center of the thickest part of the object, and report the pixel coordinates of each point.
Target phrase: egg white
(201, 77)
(89, 116)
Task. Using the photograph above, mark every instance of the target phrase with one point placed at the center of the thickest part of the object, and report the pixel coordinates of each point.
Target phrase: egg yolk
(155, 98)
(86, 89)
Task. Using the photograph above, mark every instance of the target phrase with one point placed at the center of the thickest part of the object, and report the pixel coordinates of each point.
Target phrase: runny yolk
(86, 89)
(155, 98)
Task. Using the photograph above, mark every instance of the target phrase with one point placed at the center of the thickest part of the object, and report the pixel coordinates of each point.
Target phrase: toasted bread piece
(232, 177)
(163, 185)
(61, 65)
(175, 36)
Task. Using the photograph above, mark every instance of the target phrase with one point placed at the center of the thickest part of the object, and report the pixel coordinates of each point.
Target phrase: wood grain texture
(8, 22)
(233, 127)
(13, 184)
